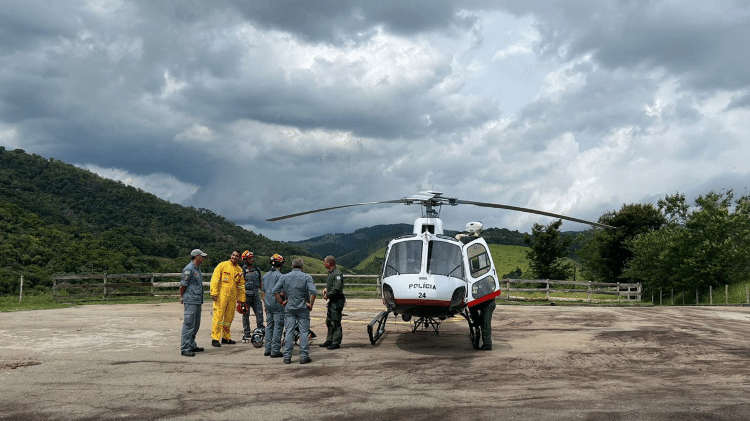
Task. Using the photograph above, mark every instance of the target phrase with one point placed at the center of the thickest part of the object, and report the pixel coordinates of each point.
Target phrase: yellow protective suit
(228, 285)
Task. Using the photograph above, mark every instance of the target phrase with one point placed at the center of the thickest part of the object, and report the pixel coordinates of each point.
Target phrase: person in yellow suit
(227, 290)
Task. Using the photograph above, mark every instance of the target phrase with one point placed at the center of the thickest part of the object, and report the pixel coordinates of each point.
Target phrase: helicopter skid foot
(378, 323)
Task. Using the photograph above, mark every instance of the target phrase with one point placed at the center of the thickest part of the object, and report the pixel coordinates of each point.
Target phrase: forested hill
(350, 249)
(57, 218)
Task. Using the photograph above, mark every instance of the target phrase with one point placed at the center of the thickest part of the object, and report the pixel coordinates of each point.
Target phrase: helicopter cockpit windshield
(444, 258)
(404, 258)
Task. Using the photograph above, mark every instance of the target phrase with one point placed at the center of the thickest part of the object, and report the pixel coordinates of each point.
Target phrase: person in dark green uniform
(334, 294)
(482, 315)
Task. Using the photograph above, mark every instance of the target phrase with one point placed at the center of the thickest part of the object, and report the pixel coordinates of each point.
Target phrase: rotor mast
(431, 201)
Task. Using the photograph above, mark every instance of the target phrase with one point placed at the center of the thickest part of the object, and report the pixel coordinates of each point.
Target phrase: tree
(709, 246)
(606, 254)
(549, 252)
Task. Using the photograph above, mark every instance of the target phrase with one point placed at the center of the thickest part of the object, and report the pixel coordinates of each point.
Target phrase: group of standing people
(288, 300)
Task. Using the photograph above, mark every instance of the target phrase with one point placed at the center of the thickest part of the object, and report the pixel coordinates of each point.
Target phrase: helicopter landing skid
(475, 330)
(379, 320)
(426, 322)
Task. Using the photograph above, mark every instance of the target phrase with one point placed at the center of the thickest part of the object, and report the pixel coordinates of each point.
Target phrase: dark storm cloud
(740, 101)
(703, 42)
(97, 63)
(26, 24)
(345, 21)
(302, 103)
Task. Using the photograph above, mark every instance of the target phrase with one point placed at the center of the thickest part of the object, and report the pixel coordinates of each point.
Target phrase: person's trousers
(333, 321)
(274, 329)
(254, 302)
(302, 319)
(191, 322)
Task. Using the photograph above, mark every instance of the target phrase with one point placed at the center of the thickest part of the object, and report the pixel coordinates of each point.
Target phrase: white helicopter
(432, 276)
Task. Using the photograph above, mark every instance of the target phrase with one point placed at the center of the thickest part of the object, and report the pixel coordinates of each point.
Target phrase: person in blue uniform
(274, 310)
(298, 299)
(191, 296)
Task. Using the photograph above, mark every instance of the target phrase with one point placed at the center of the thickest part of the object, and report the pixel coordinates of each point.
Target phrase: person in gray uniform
(298, 298)
(274, 310)
(253, 283)
(191, 295)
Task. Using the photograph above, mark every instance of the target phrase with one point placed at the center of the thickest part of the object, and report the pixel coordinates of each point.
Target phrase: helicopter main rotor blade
(278, 218)
(538, 212)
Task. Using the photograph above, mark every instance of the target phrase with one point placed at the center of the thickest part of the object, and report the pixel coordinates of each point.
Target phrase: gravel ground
(548, 362)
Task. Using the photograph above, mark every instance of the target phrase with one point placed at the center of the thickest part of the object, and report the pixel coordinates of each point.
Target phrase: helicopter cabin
(427, 273)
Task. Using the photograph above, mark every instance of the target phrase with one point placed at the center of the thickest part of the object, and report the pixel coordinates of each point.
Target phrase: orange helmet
(246, 254)
(277, 260)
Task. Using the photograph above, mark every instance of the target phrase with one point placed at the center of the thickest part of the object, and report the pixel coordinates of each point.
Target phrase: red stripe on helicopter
(439, 303)
(485, 298)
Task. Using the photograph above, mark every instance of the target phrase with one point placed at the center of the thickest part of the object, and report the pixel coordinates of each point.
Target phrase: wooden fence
(629, 291)
(662, 299)
(151, 284)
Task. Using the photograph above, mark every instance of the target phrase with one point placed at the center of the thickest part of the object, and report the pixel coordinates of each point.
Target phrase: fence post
(618, 294)
(104, 297)
(507, 287)
(747, 294)
(639, 290)
(589, 291)
(661, 292)
(696, 297)
(153, 290)
(672, 296)
(726, 294)
(547, 280)
(20, 294)
(710, 295)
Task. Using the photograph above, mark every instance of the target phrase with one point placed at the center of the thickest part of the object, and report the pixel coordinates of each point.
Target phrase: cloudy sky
(256, 109)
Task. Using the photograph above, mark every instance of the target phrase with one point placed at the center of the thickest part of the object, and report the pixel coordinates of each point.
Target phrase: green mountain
(351, 249)
(57, 218)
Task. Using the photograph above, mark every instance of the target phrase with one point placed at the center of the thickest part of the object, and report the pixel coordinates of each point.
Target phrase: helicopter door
(481, 274)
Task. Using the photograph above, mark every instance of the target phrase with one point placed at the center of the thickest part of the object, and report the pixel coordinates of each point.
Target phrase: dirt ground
(547, 362)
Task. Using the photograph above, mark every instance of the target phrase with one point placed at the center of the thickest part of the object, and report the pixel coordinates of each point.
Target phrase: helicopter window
(479, 260)
(404, 257)
(483, 287)
(444, 259)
